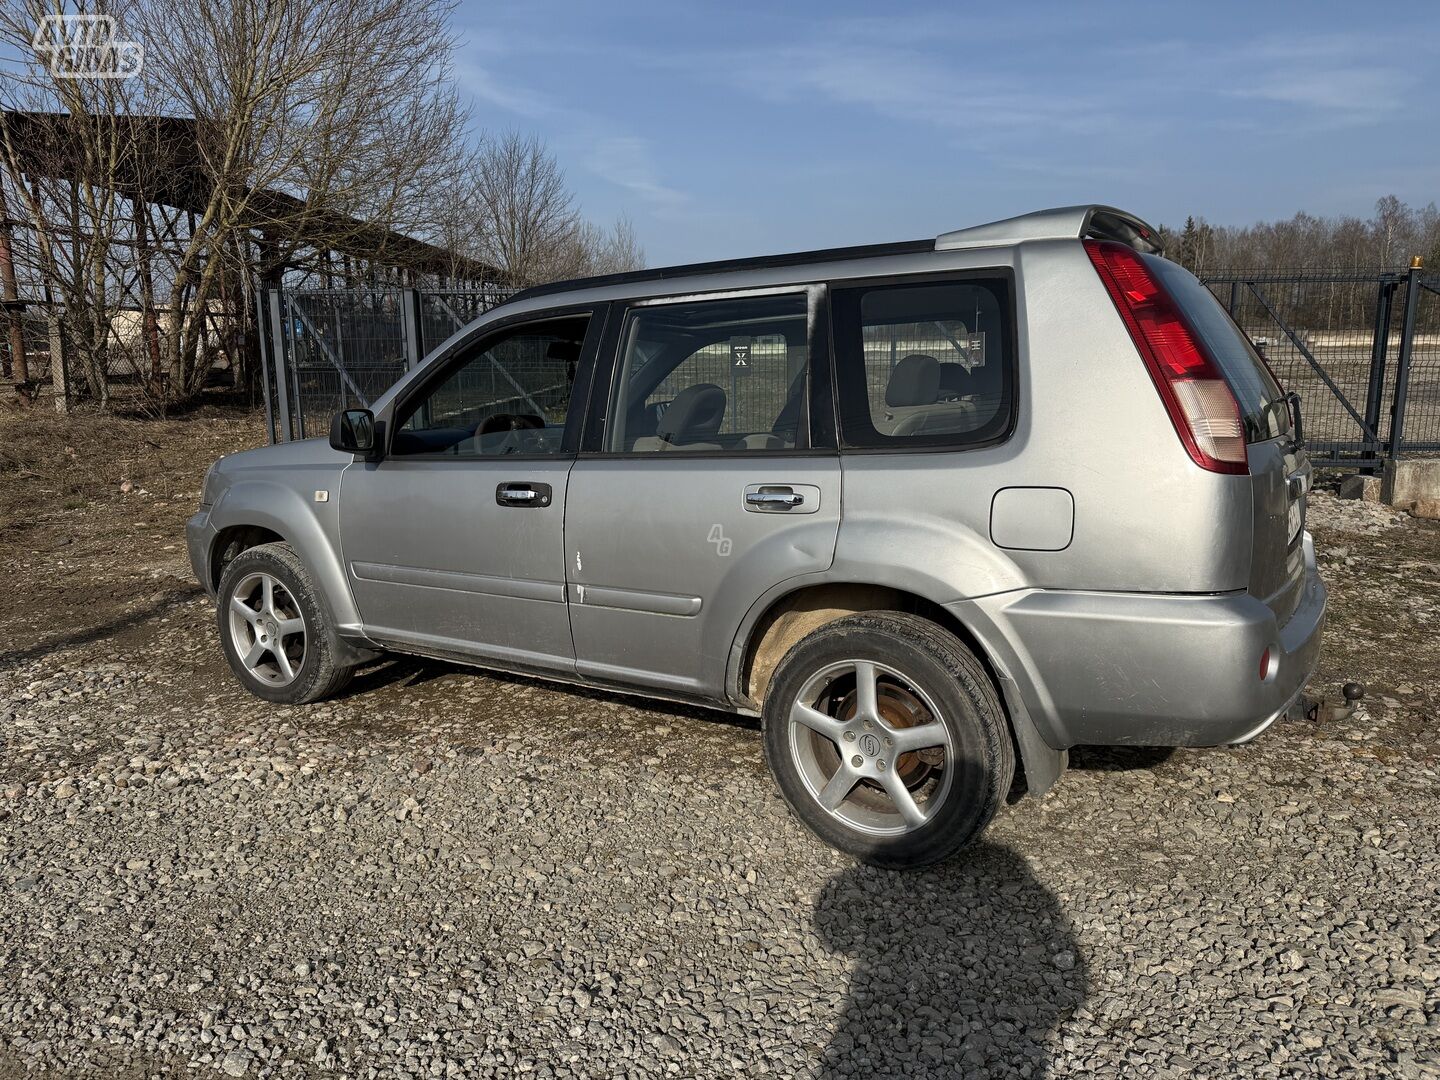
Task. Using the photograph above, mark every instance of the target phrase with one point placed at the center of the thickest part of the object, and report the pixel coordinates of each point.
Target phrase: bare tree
(344, 106)
(526, 219)
(66, 177)
(306, 126)
(611, 251)
(512, 209)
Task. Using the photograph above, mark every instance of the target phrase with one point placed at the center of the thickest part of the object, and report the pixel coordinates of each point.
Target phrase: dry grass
(51, 464)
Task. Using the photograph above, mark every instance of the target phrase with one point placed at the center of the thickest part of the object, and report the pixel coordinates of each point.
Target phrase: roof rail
(760, 262)
(1061, 223)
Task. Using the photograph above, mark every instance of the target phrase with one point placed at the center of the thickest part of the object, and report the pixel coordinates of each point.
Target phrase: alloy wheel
(267, 629)
(870, 747)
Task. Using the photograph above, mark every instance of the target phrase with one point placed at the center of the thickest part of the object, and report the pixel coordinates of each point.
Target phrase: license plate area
(1294, 519)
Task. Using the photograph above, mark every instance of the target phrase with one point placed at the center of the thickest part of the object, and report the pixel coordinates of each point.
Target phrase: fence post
(414, 339)
(282, 365)
(266, 367)
(1402, 360)
(59, 369)
(340, 353)
(1234, 300)
(293, 330)
(1379, 348)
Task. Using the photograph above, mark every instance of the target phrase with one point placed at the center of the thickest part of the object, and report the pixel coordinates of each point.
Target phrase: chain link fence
(1361, 347)
(343, 348)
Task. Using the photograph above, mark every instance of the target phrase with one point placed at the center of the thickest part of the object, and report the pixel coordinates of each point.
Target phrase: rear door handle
(519, 493)
(782, 498)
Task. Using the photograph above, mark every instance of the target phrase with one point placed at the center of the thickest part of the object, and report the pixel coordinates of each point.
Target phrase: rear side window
(717, 376)
(1261, 401)
(924, 364)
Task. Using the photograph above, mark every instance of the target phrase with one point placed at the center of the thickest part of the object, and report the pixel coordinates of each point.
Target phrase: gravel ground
(451, 874)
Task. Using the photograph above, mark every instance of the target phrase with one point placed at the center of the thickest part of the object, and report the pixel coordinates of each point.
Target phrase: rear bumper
(1151, 670)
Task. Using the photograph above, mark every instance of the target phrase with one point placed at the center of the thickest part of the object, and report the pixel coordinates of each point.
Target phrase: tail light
(1195, 393)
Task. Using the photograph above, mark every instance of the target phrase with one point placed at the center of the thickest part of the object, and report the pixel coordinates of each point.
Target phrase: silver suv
(926, 508)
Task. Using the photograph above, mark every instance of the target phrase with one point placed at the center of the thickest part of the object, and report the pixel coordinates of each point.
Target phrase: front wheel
(274, 628)
(888, 739)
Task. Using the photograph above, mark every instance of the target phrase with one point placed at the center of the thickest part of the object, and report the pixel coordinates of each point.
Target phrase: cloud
(503, 94)
(626, 160)
(1322, 79)
(959, 77)
(622, 159)
(929, 72)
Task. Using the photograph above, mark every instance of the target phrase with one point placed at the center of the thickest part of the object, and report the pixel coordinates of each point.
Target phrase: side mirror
(353, 432)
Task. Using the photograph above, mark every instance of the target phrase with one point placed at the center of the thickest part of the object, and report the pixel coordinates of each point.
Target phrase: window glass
(510, 396)
(923, 364)
(711, 375)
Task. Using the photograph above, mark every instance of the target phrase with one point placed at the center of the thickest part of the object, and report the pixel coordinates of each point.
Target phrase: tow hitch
(1321, 710)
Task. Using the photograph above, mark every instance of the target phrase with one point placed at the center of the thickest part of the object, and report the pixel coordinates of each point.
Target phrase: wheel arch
(259, 512)
(776, 623)
(230, 541)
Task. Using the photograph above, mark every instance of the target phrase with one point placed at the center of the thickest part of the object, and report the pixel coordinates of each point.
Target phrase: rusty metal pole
(19, 368)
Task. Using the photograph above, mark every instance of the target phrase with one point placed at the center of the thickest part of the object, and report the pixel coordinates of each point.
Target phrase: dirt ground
(445, 873)
(92, 518)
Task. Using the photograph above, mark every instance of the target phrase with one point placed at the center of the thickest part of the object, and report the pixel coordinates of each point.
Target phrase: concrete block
(1366, 488)
(1407, 482)
(1429, 509)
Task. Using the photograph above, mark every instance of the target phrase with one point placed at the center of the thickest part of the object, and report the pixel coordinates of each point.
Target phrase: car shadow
(1118, 758)
(90, 634)
(962, 969)
(402, 672)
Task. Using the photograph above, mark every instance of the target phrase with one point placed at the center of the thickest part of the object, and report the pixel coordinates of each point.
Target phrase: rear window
(1261, 401)
(923, 364)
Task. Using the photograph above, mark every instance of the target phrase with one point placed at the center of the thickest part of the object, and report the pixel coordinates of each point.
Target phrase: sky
(746, 128)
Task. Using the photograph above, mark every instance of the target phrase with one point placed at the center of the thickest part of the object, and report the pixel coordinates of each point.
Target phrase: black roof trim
(728, 266)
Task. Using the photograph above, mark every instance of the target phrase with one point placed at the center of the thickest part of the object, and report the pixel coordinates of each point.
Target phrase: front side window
(926, 364)
(711, 375)
(511, 395)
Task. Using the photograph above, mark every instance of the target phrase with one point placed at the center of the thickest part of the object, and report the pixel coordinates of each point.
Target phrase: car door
(454, 540)
(700, 486)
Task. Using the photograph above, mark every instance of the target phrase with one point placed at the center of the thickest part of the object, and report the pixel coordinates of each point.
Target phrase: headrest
(954, 380)
(915, 381)
(569, 351)
(695, 414)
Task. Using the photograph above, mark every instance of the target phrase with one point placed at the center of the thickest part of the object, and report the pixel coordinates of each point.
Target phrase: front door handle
(516, 493)
(774, 499)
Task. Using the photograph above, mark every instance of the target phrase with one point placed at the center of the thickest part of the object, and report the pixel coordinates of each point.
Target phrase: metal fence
(330, 349)
(1362, 349)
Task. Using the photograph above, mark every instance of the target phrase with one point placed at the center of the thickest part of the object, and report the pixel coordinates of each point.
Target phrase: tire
(308, 670)
(823, 736)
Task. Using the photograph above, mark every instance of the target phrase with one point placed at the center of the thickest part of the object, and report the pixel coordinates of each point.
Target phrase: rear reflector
(1194, 392)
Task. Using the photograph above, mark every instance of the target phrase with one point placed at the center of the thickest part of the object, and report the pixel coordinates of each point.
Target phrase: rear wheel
(887, 739)
(274, 629)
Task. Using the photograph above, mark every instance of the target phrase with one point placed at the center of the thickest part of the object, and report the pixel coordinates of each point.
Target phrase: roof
(1068, 222)
(166, 168)
(1060, 223)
